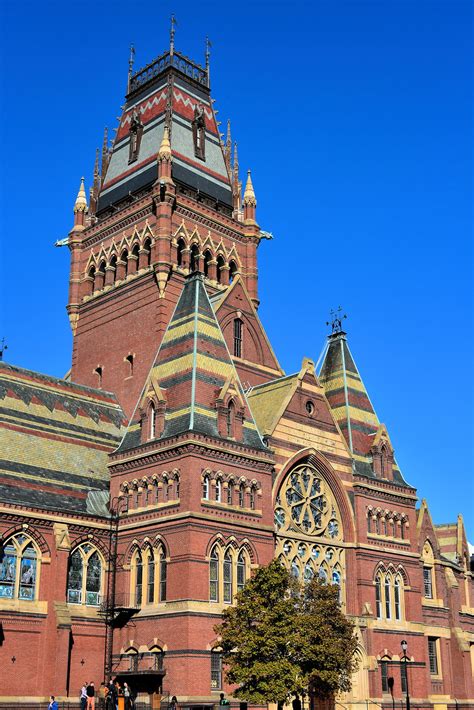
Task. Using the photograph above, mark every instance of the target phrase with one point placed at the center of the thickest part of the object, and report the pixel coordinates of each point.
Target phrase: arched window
(232, 271)
(220, 264)
(214, 575)
(218, 490)
(129, 362)
(241, 571)
(138, 579)
(163, 575)
(230, 418)
(388, 601)
(378, 596)
(242, 495)
(136, 252)
(84, 580)
(98, 372)
(91, 275)
(227, 578)
(238, 330)
(230, 493)
(397, 597)
(377, 524)
(150, 577)
(18, 568)
(403, 523)
(252, 498)
(383, 526)
(151, 420)
(124, 258)
(180, 249)
(205, 487)
(428, 567)
(194, 258)
(207, 259)
(147, 247)
(216, 670)
(369, 522)
(113, 265)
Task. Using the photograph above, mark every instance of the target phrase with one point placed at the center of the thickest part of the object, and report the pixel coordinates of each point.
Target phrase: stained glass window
(227, 578)
(18, 569)
(84, 580)
(214, 576)
(138, 578)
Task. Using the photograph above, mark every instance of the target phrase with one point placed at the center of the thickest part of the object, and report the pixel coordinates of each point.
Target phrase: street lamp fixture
(404, 646)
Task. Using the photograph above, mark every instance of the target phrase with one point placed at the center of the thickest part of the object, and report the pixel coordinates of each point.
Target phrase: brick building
(138, 495)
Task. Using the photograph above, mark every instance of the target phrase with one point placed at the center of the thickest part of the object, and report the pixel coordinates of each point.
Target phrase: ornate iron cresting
(159, 65)
(336, 320)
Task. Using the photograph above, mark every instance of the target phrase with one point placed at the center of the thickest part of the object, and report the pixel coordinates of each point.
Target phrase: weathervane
(172, 33)
(336, 322)
(3, 347)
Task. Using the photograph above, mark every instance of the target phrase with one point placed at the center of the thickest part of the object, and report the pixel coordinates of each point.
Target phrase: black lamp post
(404, 646)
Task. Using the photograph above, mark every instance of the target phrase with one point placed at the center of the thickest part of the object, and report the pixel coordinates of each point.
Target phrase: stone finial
(249, 194)
(165, 148)
(80, 204)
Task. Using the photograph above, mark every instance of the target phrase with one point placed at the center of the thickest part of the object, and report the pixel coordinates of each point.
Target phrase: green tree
(281, 638)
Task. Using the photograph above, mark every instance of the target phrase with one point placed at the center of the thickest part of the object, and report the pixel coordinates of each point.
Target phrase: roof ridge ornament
(172, 33)
(336, 321)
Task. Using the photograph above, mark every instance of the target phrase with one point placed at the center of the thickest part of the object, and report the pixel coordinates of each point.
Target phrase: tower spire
(228, 146)
(208, 62)
(250, 201)
(105, 152)
(172, 33)
(130, 66)
(80, 205)
(236, 184)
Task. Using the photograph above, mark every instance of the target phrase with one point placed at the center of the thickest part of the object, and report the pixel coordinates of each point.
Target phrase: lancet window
(389, 595)
(19, 560)
(85, 576)
(229, 569)
(309, 528)
(148, 575)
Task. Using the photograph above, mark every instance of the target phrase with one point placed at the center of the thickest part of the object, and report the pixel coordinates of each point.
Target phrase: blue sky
(355, 118)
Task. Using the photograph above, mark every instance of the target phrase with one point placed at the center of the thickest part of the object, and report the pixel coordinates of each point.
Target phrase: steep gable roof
(351, 405)
(192, 369)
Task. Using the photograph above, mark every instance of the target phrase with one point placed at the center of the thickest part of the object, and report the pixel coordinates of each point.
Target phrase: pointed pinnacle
(106, 140)
(236, 158)
(249, 194)
(80, 204)
(165, 148)
(229, 139)
(96, 164)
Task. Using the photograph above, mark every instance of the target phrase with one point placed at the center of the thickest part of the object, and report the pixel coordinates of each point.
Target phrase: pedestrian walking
(173, 703)
(53, 705)
(83, 696)
(223, 702)
(127, 694)
(90, 693)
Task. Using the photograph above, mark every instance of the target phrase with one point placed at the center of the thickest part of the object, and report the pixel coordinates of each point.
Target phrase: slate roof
(350, 404)
(191, 367)
(208, 175)
(269, 399)
(55, 437)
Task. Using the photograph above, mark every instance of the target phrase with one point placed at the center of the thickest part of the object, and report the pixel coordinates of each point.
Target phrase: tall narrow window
(230, 419)
(147, 247)
(220, 264)
(124, 258)
(388, 601)
(402, 528)
(205, 487)
(93, 577)
(427, 583)
(378, 596)
(242, 495)
(84, 576)
(433, 655)
(232, 271)
(377, 525)
(230, 493)
(91, 275)
(240, 571)
(252, 498)
(214, 576)
(403, 676)
(151, 578)
(227, 578)
(384, 674)
(397, 598)
(207, 259)
(113, 264)
(138, 578)
(218, 490)
(369, 523)
(98, 372)
(238, 337)
(199, 132)
(194, 258)
(216, 670)
(129, 362)
(181, 247)
(163, 573)
(151, 416)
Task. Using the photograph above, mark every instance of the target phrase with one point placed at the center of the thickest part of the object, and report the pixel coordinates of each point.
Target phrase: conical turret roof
(192, 369)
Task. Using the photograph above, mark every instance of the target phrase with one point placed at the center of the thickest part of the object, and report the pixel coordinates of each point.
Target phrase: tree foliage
(281, 638)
